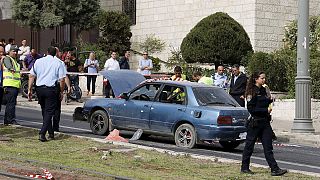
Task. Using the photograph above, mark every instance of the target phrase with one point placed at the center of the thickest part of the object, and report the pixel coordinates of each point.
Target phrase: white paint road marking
(67, 127)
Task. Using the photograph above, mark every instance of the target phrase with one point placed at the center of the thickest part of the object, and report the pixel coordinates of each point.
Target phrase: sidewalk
(281, 127)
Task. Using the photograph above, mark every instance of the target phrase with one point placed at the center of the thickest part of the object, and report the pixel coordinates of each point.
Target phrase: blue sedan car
(189, 112)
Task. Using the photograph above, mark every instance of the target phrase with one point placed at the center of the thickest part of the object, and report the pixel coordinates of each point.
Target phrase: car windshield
(213, 96)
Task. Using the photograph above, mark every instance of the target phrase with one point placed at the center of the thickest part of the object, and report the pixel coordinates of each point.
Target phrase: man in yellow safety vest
(11, 85)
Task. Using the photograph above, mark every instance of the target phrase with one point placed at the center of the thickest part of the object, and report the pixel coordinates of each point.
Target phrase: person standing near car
(258, 125)
(111, 64)
(197, 76)
(11, 84)
(124, 61)
(238, 85)
(93, 67)
(49, 73)
(73, 65)
(145, 64)
(219, 78)
(57, 112)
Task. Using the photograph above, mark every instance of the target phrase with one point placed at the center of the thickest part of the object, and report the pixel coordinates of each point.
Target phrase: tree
(152, 44)
(291, 32)
(217, 39)
(115, 31)
(40, 14)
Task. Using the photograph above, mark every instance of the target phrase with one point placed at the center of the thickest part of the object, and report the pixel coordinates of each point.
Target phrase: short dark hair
(52, 51)
(236, 66)
(197, 73)
(177, 69)
(11, 40)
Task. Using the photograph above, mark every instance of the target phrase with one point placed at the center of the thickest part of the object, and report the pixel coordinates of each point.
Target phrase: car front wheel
(229, 145)
(185, 136)
(99, 122)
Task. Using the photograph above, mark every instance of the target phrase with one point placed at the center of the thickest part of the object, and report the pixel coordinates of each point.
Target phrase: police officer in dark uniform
(259, 124)
(50, 73)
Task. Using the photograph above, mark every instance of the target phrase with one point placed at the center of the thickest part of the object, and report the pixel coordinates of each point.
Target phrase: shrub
(115, 31)
(272, 66)
(217, 39)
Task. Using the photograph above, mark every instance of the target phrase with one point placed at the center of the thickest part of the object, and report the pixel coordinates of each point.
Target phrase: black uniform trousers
(10, 97)
(264, 132)
(47, 97)
(57, 112)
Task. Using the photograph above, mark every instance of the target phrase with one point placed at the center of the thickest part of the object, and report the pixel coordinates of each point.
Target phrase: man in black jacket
(124, 61)
(238, 85)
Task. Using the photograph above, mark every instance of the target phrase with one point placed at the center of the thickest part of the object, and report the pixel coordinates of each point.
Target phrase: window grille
(129, 8)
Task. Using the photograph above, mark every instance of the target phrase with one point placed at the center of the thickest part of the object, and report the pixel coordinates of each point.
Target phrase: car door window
(146, 92)
(172, 94)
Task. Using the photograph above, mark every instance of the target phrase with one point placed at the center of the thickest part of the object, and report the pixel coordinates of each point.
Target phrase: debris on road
(136, 135)
(114, 136)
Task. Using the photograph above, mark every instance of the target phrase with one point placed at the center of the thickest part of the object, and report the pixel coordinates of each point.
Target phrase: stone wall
(271, 18)
(283, 114)
(172, 20)
(5, 8)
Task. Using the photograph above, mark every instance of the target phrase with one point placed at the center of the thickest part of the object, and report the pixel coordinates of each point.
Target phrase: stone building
(171, 20)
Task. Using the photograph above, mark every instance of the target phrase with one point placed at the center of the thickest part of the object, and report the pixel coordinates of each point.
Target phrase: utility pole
(303, 122)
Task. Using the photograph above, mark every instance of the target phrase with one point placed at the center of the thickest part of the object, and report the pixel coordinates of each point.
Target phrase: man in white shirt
(112, 63)
(7, 48)
(24, 50)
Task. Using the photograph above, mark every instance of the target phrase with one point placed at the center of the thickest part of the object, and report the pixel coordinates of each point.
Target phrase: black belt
(44, 86)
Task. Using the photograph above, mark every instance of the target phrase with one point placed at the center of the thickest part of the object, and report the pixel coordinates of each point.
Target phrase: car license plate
(243, 135)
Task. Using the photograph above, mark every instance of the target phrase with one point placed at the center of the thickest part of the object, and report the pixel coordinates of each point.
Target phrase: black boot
(42, 138)
(278, 172)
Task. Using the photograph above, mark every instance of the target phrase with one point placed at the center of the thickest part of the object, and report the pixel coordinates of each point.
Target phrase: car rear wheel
(185, 136)
(229, 145)
(99, 122)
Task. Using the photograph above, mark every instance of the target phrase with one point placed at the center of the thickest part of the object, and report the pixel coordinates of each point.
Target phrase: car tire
(99, 122)
(185, 136)
(229, 145)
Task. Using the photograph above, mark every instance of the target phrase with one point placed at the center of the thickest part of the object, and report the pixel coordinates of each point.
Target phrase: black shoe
(278, 172)
(246, 171)
(42, 138)
(56, 130)
(51, 137)
(14, 123)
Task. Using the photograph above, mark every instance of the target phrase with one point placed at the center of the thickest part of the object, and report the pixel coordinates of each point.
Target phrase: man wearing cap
(50, 74)
(11, 84)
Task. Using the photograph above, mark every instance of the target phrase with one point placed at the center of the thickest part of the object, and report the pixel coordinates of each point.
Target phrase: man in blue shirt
(219, 78)
(30, 59)
(50, 74)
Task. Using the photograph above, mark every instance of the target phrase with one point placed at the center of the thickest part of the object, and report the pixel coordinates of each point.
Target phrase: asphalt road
(289, 156)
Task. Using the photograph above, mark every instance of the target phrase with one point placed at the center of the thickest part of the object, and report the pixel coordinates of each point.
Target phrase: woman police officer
(259, 124)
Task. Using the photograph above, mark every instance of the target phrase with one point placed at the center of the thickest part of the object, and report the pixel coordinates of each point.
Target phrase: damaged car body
(191, 113)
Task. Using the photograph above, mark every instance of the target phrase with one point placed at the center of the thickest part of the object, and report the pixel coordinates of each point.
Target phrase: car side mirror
(124, 96)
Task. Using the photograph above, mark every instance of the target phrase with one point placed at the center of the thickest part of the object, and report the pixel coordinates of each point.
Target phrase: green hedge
(281, 70)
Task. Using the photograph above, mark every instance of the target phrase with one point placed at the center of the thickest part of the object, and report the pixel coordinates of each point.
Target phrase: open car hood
(123, 80)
